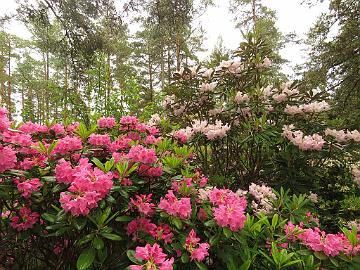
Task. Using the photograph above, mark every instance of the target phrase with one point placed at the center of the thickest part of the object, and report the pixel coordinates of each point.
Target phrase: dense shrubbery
(119, 195)
(246, 126)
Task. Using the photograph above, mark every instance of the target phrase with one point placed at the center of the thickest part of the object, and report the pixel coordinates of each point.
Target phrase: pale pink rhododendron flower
(355, 171)
(27, 187)
(314, 107)
(154, 119)
(25, 220)
(208, 87)
(313, 197)
(343, 135)
(106, 122)
(308, 142)
(7, 158)
(241, 97)
(176, 207)
(153, 258)
(263, 196)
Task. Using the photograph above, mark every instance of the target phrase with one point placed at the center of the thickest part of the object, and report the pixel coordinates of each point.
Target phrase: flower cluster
(102, 140)
(143, 204)
(175, 207)
(263, 196)
(25, 220)
(141, 154)
(198, 251)
(228, 208)
(67, 145)
(307, 142)
(314, 107)
(106, 122)
(343, 135)
(27, 187)
(7, 158)
(211, 131)
(317, 240)
(355, 170)
(88, 186)
(153, 258)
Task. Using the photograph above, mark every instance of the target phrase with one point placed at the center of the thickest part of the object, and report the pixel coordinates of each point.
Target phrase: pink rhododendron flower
(149, 171)
(106, 122)
(151, 140)
(198, 251)
(163, 232)
(99, 140)
(28, 186)
(153, 257)
(137, 227)
(141, 154)
(229, 208)
(129, 121)
(7, 158)
(58, 129)
(143, 204)
(4, 121)
(181, 136)
(88, 186)
(64, 172)
(25, 220)
(176, 207)
(120, 144)
(30, 128)
(67, 144)
(17, 138)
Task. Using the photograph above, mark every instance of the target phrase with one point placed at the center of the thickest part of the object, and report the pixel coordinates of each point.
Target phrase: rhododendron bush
(248, 126)
(119, 195)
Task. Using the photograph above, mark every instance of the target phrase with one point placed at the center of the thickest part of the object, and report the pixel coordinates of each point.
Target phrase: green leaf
(184, 258)
(80, 223)
(85, 259)
(49, 217)
(177, 222)
(210, 223)
(124, 219)
(98, 243)
(131, 255)
(227, 232)
(320, 255)
(201, 265)
(245, 265)
(292, 262)
(104, 215)
(98, 164)
(112, 236)
(274, 220)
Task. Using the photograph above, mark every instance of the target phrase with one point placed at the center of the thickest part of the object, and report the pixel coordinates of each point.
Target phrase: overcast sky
(292, 17)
